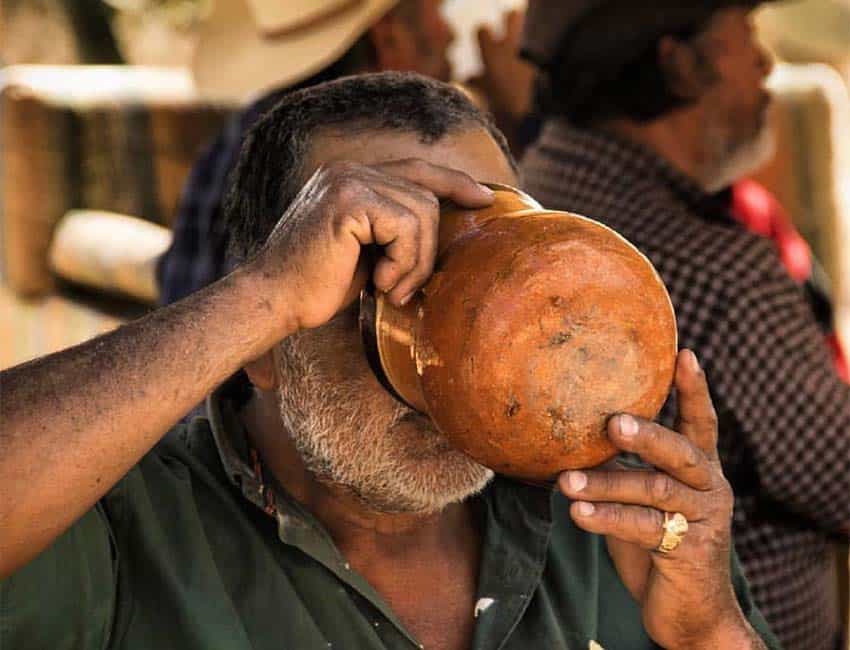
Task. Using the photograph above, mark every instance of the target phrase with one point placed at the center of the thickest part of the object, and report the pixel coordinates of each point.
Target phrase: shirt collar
(616, 160)
(517, 529)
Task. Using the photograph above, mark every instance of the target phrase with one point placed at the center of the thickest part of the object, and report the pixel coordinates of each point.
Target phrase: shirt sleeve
(65, 597)
(775, 380)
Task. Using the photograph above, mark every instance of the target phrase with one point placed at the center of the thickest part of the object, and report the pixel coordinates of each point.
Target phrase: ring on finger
(675, 527)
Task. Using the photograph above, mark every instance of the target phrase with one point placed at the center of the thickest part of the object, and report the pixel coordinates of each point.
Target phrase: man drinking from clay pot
(313, 510)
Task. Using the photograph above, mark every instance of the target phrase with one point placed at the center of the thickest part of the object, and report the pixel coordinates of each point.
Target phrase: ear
(394, 45)
(683, 68)
(261, 371)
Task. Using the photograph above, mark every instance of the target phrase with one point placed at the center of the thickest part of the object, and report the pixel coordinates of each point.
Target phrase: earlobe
(261, 371)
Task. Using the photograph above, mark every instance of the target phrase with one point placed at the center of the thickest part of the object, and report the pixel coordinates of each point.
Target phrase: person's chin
(419, 431)
(747, 157)
(430, 454)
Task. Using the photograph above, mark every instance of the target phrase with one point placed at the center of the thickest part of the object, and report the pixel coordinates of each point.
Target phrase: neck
(355, 528)
(676, 137)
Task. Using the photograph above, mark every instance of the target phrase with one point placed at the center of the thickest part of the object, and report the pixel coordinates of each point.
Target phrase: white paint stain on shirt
(482, 606)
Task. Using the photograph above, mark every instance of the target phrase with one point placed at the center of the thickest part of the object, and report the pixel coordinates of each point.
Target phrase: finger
(416, 198)
(395, 228)
(412, 280)
(513, 27)
(642, 488)
(425, 208)
(419, 275)
(444, 182)
(665, 449)
(358, 283)
(697, 418)
(632, 524)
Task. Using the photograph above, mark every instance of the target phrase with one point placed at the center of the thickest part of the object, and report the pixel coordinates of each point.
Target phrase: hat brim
(233, 62)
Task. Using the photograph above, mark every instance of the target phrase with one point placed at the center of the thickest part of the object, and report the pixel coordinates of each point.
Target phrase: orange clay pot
(535, 328)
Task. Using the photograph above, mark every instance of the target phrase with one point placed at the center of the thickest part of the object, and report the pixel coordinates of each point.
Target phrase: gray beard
(729, 161)
(349, 443)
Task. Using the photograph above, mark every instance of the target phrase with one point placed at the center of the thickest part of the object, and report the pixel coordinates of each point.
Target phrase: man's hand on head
(312, 264)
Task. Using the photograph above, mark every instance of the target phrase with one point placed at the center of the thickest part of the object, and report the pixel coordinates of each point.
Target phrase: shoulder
(172, 482)
(186, 453)
(678, 238)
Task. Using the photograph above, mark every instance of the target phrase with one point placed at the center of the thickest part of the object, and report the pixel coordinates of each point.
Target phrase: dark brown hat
(608, 27)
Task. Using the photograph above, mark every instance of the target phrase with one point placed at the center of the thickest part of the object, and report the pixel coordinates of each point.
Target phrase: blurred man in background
(649, 114)
(256, 53)
(260, 50)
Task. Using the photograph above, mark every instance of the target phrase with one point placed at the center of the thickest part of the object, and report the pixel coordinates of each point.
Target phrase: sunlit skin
(726, 83)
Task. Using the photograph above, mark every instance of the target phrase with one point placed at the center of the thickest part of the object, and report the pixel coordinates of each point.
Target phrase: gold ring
(675, 526)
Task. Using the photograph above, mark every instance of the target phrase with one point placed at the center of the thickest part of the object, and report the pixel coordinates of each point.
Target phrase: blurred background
(100, 123)
(99, 113)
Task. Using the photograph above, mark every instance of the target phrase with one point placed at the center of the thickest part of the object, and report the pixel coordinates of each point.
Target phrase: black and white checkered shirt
(784, 413)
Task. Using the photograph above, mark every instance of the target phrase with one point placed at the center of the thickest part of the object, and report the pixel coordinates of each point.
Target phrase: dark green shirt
(183, 553)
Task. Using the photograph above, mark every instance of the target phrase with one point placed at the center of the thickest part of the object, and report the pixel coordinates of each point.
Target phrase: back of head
(599, 58)
(271, 167)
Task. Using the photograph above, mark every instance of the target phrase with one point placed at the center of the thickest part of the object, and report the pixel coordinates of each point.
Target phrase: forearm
(75, 422)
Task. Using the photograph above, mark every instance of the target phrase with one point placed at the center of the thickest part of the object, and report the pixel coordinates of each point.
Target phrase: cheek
(735, 99)
(343, 363)
(742, 78)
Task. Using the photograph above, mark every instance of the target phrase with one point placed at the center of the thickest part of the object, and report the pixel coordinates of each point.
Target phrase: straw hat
(249, 46)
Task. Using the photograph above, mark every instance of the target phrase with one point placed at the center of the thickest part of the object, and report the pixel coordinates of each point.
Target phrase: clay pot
(535, 328)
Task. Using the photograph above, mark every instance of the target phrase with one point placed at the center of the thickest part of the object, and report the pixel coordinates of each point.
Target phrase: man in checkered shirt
(650, 112)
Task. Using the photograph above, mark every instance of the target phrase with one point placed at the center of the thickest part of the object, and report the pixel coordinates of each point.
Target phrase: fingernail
(577, 481)
(692, 361)
(407, 298)
(628, 426)
(486, 190)
(585, 509)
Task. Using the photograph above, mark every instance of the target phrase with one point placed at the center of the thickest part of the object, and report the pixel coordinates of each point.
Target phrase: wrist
(265, 304)
(731, 634)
